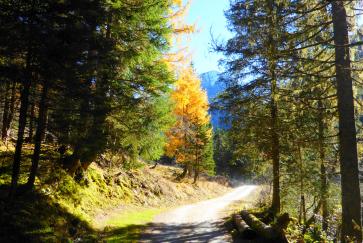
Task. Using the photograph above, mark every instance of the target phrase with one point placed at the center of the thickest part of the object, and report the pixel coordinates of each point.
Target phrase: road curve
(199, 222)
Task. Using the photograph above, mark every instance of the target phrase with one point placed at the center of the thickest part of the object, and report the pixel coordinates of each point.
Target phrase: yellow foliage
(190, 99)
(191, 110)
(179, 37)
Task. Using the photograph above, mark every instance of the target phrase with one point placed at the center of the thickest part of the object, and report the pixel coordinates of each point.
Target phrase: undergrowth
(61, 209)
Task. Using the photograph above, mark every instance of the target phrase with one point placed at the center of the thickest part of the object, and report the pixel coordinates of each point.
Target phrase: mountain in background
(213, 87)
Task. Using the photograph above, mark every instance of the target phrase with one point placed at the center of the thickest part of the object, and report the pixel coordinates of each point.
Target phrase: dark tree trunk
(73, 162)
(275, 146)
(31, 122)
(275, 206)
(323, 176)
(184, 173)
(196, 166)
(24, 103)
(13, 104)
(5, 112)
(39, 136)
(8, 114)
(351, 201)
(302, 211)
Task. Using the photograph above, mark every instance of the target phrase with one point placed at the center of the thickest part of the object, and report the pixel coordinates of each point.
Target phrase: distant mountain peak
(210, 82)
(210, 78)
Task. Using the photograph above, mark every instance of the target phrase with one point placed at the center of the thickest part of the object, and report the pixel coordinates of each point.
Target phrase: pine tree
(351, 200)
(256, 53)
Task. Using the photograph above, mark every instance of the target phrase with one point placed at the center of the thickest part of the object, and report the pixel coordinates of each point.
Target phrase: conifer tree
(189, 139)
(256, 53)
(351, 200)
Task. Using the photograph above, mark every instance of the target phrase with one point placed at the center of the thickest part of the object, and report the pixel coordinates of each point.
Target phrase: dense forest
(97, 95)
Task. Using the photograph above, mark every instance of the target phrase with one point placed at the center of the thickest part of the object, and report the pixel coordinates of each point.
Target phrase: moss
(46, 214)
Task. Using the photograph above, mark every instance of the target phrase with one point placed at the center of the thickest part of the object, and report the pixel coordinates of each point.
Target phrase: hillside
(211, 84)
(100, 206)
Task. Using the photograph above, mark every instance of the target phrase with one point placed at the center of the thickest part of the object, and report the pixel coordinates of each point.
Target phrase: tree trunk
(184, 173)
(73, 162)
(273, 233)
(196, 175)
(196, 166)
(351, 201)
(43, 109)
(275, 152)
(24, 103)
(302, 213)
(31, 122)
(275, 146)
(323, 176)
(8, 114)
(5, 112)
(243, 228)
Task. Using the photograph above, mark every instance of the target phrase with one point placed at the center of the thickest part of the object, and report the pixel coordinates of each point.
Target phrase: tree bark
(351, 201)
(196, 166)
(275, 146)
(323, 176)
(274, 233)
(8, 114)
(184, 173)
(243, 228)
(31, 123)
(302, 213)
(39, 136)
(73, 162)
(5, 112)
(275, 207)
(24, 103)
(196, 174)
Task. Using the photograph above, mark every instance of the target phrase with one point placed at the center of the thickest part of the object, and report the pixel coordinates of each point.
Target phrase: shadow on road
(191, 232)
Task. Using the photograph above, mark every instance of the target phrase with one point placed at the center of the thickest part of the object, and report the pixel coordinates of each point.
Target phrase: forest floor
(112, 204)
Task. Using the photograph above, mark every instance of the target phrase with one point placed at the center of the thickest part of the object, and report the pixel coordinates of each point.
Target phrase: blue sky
(209, 17)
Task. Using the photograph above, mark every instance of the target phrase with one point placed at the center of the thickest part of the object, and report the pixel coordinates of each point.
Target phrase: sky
(209, 18)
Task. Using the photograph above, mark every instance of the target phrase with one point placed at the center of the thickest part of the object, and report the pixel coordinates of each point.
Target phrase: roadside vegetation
(97, 97)
(293, 103)
(109, 202)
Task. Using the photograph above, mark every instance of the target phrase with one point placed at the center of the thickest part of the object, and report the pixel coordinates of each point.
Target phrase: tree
(280, 70)
(93, 61)
(10, 103)
(256, 53)
(351, 201)
(189, 139)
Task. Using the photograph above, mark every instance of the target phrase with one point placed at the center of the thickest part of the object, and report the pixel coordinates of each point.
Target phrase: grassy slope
(111, 204)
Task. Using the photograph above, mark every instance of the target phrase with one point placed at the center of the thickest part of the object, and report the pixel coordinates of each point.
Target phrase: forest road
(199, 222)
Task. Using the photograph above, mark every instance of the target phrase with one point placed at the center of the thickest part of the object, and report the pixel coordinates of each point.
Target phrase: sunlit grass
(127, 227)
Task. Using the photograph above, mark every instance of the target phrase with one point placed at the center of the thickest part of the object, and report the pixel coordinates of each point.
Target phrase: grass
(127, 227)
(137, 217)
(60, 200)
(44, 215)
(60, 209)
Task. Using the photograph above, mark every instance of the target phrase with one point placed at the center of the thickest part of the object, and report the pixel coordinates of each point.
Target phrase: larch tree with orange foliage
(190, 139)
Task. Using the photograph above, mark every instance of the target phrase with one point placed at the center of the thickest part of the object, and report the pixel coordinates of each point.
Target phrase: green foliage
(103, 65)
(123, 101)
(280, 100)
(141, 134)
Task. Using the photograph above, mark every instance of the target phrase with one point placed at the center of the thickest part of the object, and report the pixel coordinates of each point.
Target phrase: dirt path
(199, 222)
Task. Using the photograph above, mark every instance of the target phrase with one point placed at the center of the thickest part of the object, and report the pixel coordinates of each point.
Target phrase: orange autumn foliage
(191, 111)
